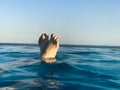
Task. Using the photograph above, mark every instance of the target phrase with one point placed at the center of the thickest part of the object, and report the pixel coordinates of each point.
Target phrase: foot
(43, 41)
(52, 47)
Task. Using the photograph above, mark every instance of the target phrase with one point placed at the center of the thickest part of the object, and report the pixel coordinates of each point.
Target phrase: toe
(43, 36)
(55, 37)
(46, 36)
(57, 41)
(52, 39)
(52, 35)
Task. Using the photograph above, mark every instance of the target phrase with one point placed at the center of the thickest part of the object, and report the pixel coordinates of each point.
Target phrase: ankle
(48, 60)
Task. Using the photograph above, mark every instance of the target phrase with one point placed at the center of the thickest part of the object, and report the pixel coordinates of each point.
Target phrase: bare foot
(43, 42)
(52, 48)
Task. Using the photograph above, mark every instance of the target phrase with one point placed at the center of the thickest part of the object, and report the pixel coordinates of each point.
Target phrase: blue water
(78, 68)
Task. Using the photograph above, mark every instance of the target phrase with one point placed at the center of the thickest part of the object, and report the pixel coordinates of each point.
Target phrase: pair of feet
(48, 47)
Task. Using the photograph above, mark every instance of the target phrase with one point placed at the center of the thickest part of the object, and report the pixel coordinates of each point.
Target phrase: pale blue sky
(84, 22)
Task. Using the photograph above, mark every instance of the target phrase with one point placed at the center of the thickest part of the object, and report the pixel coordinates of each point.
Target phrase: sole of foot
(52, 47)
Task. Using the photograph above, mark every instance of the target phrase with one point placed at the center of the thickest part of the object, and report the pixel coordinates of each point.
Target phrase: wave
(77, 68)
(84, 53)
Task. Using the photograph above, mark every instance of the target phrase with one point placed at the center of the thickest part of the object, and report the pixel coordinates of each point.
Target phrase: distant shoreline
(65, 45)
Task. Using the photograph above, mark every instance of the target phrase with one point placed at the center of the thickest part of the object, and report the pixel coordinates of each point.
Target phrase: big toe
(54, 39)
(43, 37)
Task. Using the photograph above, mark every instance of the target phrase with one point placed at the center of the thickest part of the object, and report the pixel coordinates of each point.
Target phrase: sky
(81, 22)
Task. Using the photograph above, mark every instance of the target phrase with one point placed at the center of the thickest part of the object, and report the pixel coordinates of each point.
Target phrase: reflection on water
(28, 76)
(37, 84)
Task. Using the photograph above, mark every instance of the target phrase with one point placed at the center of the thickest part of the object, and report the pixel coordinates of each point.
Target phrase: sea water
(77, 68)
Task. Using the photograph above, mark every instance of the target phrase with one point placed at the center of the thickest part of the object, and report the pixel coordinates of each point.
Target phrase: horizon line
(64, 45)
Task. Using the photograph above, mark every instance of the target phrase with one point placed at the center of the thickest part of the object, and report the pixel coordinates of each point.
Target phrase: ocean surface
(78, 68)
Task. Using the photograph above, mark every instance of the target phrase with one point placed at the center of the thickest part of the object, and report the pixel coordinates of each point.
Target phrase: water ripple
(78, 68)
